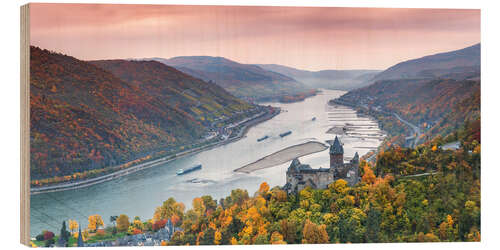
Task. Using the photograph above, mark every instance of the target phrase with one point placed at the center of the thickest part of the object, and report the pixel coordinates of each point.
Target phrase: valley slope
(84, 118)
(437, 93)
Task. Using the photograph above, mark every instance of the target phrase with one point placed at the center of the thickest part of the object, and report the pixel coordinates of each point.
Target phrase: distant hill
(84, 118)
(459, 64)
(242, 80)
(329, 79)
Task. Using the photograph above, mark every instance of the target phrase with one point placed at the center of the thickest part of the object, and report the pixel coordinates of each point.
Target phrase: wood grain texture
(25, 119)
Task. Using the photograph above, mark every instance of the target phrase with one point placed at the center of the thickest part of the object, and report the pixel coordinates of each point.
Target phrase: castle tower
(355, 159)
(355, 168)
(336, 154)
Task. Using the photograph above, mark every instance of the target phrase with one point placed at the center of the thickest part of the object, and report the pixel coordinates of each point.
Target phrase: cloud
(93, 31)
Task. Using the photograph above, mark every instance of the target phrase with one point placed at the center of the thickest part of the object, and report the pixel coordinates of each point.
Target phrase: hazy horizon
(308, 38)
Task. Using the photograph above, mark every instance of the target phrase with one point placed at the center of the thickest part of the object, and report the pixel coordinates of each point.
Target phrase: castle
(299, 176)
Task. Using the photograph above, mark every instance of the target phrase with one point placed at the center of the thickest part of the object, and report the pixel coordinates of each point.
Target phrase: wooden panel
(25, 143)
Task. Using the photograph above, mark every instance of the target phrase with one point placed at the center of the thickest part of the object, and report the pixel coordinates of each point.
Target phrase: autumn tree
(73, 225)
(170, 207)
(217, 237)
(264, 190)
(95, 221)
(122, 223)
(209, 202)
(237, 196)
(369, 176)
(314, 234)
(289, 231)
(198, 207)
(277, 238)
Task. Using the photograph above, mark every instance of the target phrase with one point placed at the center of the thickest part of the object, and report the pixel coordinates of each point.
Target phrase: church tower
(336, 154)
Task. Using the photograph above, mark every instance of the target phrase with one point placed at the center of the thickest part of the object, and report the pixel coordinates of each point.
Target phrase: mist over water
(139, 193)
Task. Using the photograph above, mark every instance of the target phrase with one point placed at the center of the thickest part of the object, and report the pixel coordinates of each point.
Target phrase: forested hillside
(436, 106)
(84, 118)
(242, 80)
(420, 101)
(466, 113)
(206, 102)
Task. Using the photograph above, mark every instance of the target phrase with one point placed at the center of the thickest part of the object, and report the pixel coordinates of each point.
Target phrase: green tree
(373, 224)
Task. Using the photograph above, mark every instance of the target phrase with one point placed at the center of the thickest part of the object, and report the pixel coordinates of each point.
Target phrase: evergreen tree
(63, 236)
(80, 238)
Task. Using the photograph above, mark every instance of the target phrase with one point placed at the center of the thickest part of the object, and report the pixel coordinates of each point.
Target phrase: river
(138, 194)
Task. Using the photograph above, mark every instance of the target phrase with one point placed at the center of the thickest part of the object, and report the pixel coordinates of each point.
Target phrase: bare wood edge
(25, 128)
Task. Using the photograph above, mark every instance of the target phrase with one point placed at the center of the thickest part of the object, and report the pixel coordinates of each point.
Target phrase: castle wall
(351, 173)
(320, 179)
(324, 179)
(299, 179)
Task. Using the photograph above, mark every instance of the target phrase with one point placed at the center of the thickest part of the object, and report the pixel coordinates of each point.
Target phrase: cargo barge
(262, 138)
(189, 170)
(285, 134)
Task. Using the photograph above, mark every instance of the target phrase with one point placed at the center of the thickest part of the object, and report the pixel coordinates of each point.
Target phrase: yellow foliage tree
(277, 238)
(73, 225)
(369, 176)
(428, 237)
(449, 220)
(279, 195)
(234, 241)
(339, 186)
(138, 224)
(264, 188)
(199, 207)
(217, 237)
(95, 221)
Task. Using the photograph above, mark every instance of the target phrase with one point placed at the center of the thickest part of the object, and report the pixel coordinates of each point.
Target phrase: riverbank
(283, 156)
(371, 155)
(408, 141)
(152, 163)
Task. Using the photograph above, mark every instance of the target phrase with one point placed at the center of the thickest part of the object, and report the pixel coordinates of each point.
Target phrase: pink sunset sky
(309, 38)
